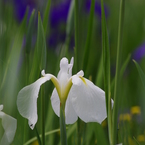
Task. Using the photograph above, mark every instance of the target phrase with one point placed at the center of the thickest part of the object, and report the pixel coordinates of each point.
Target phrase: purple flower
(20, 7)
(58, 18)
(59, 13)
(139, 53)
(97, 8)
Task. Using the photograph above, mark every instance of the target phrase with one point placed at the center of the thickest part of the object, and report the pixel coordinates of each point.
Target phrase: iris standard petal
(9, 124)
(27, 100)
(88, 101)
(70, 115)
(71, 66)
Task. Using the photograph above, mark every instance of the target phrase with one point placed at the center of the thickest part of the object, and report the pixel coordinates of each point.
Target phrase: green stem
(63, 136)
(117, 76)
(43, 115)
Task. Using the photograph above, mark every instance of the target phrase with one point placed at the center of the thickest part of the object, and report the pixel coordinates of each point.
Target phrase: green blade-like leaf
(41, 44)
(29, 32)
(89, 34)
(41, 54)
(69, 30)
(46, 16)
(106, 65)
(11, 68)
(117, 75)
(28, 46)
(76, 35)
(106, 55)
(123, 68)
(141, 73)
(46, 134)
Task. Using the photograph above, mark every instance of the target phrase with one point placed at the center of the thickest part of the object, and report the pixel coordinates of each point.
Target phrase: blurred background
(19, 63)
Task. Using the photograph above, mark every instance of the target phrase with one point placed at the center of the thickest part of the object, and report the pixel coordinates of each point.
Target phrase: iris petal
(27, 100)
(55, 102)
(71, 66)
(9, 124)
(70, 115)
(88, 101)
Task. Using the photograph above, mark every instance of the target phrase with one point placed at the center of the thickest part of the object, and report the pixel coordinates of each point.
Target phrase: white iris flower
(80, 97)
(9, 124)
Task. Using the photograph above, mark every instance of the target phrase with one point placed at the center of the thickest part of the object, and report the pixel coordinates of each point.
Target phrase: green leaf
(141, 73)
(46, 16)
(69, 30)
(41, 44)
(70, 19)
(106, 65)
(124, 66)
(99, 76)
(76, 34)
(28, 46)
(46, 134)
(89, 34)
(29, 32)
(11, 68)
(117, 75)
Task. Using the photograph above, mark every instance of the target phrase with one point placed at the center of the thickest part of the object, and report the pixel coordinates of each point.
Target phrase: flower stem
(63, 136)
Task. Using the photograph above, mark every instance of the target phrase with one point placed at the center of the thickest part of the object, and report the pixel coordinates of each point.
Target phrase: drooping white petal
(27, 100)
(70, 115)
(88, 101)
(9, 124)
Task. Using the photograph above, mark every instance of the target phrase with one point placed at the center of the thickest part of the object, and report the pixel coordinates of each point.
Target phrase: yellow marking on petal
(57, 85)
(66, 91)
(135, 110)
(62, 93)
(83, 80)
(141, 138)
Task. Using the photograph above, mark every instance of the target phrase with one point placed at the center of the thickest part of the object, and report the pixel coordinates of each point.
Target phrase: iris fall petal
(27, 100)
(88, 101)
(9, 124)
